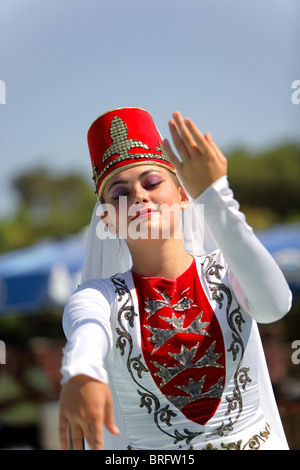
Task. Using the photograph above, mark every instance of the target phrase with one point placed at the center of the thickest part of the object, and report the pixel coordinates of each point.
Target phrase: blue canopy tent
(41, 275)
(283, 242)
(45, 274)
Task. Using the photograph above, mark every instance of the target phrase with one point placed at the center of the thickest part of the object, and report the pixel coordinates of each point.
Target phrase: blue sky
(229, 65)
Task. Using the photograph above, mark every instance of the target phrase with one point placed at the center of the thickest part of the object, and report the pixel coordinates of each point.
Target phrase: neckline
(153, 278)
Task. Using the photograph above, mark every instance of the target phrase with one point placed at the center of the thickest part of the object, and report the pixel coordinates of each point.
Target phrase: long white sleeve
(256, 279)
(86, 324)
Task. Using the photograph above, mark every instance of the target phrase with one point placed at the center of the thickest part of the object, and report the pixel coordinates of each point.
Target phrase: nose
(140, 195)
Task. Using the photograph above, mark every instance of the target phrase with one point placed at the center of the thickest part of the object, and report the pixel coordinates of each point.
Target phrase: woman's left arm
(203, 170)
(256, 279)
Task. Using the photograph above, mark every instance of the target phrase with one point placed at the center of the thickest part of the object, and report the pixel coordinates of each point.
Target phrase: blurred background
(229, 65)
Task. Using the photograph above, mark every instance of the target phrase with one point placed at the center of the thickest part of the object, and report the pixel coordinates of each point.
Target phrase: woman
(167, 329)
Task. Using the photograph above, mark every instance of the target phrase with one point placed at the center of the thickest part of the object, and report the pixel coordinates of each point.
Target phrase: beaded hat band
(123, 138)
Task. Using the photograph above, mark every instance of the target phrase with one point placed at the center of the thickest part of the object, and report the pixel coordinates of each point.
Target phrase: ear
(184, 200)
(104, 218)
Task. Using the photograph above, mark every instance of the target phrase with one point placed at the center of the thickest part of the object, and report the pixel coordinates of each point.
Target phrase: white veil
(107, 254)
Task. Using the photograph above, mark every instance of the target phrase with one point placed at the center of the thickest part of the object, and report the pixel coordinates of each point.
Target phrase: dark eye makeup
(152, 180)
(149, 181)
(118, 192)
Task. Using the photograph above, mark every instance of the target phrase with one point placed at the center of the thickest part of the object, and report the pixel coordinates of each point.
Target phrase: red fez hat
(123, 138)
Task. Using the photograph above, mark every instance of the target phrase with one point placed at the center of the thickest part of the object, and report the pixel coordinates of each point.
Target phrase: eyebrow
(145, 173)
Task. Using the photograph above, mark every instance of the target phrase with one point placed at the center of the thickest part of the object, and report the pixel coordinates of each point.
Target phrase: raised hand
(202, 162)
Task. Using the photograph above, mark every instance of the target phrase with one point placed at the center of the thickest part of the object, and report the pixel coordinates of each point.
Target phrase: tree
(50, 206)
(266, 184)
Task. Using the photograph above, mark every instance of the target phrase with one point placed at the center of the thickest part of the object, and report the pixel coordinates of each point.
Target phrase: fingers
(63, 432)
(181, 136)
(171, 155)
(214, 147)
(182, 140)
(95, 436)
(187, 139)
(178, 141)
(199, 139)
(94, 433)
(76, 437)
(109, 420)
(190, 134)
(94, 429)
(202, 162)
(70, 436)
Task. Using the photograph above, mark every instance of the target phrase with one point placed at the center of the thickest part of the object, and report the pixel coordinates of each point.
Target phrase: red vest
(182, 342)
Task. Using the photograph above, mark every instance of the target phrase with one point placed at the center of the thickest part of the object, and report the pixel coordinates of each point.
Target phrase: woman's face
(144, 202)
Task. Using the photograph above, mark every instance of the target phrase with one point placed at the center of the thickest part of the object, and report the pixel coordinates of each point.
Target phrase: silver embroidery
(121, 144)
(152, 306)
(185, 359)
(160, 335)
(221, 293)
(162, 416)
(194, 391)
